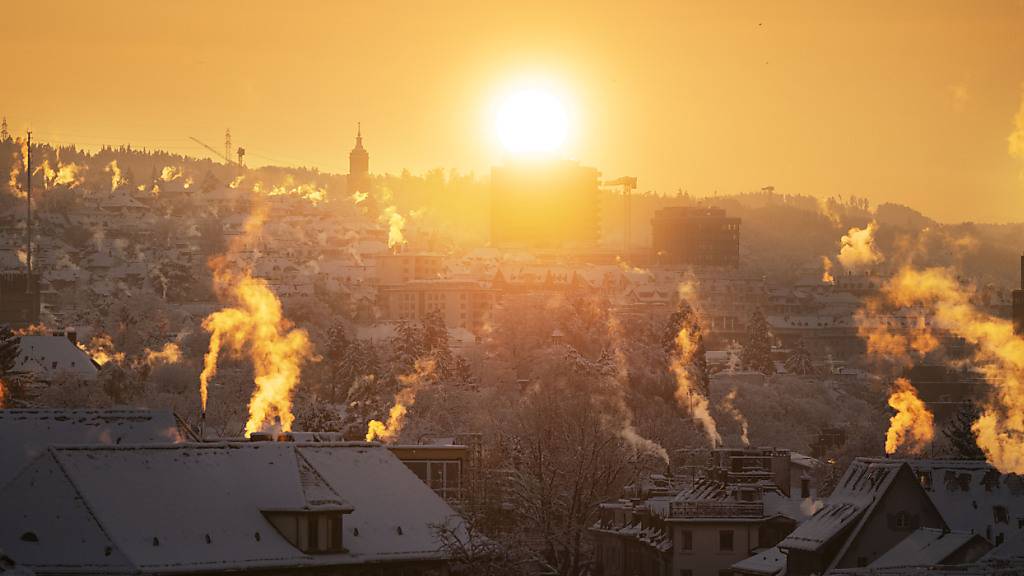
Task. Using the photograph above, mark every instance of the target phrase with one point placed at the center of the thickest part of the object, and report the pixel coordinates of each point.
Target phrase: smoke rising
(688, 395)
(254, 326)
(857, 248)
(913, 424)
(423, 370)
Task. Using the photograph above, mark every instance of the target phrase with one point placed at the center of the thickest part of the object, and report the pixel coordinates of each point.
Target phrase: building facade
(695, 236)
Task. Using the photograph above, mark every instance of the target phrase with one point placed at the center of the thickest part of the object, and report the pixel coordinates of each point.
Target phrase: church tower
(358, 165)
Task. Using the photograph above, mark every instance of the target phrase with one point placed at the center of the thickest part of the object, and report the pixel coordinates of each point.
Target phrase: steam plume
(687, 394)
(396, 224)
(826, 273)
(423, 369)
(169, 354)
(627, 429)
(997, 351)
(101, 349)
(913, 424)
(857, 248)
(116, 180)
(253, 325)
(729, 406)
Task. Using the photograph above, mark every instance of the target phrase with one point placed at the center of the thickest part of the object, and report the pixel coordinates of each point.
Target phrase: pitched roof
(858, 492)
(199, 507)
(925, 547)
(46, 356)
(28, 433)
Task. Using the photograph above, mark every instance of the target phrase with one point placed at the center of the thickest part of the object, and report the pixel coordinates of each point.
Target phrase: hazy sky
(908, 102)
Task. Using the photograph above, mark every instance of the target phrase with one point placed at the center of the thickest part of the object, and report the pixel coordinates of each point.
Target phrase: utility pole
(227, 145)
(28, 226)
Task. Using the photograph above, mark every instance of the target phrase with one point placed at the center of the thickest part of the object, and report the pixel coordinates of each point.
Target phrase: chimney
(72, 335)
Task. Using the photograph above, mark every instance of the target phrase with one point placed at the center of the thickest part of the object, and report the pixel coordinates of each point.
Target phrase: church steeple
(358, 164)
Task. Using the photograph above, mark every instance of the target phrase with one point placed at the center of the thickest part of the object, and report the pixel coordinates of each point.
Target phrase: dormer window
(313, 532)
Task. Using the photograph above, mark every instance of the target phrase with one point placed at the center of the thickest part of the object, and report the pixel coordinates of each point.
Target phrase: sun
(532, 121)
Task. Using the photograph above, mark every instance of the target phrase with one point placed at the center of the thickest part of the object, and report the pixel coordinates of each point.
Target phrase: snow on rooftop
(859, 489)
(200, 507)
(924, 547)
(28, 433)
(771, 562)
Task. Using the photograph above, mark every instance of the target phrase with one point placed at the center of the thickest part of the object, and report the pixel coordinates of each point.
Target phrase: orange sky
(908, 102)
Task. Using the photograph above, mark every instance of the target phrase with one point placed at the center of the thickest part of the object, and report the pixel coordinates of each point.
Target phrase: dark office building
(695, 236)
(1018, 304)
(19, 307)
(544, 204)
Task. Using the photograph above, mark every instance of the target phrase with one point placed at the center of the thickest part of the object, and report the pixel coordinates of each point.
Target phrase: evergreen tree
(407, 344)
(757, 350)
(435, 342)
(799, 361)
(962, 439)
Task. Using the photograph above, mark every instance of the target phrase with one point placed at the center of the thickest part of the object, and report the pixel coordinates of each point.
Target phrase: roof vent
(208, 540)
(399, 530)
(355, 531)
(257, 536)
(29, 537)
(156, 541)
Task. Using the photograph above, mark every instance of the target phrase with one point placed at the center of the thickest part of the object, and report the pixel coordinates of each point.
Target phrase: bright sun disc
(532, 121)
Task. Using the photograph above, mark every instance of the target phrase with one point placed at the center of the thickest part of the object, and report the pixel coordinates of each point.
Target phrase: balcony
(716, 509)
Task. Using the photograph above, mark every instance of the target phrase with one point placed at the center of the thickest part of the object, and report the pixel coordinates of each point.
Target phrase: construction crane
(628, 184)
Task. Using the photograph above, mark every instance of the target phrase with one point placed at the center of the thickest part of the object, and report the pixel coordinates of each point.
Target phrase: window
(1000, 515)
(902, 521)
(725, 540)
(685, 540)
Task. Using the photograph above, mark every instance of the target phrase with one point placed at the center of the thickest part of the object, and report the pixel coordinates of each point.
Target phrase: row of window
(725, 540)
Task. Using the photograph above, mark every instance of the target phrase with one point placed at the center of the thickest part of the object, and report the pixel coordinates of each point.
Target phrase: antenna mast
(28, 203)
(227, 145)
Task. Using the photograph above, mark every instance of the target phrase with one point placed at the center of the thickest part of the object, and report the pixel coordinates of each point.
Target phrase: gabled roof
(46, 356)
(28, 433)
(200, 507)
(858, 492)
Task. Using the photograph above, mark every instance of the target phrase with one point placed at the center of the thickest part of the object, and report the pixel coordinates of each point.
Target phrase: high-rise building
(695, 236)
(358, 165)
(544, 204)
(1018, 303)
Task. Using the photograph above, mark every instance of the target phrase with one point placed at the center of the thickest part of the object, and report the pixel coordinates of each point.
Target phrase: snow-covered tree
(799, 361)
(963, 441)
(757, 350)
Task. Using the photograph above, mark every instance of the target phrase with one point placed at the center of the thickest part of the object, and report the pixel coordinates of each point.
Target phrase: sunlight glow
(532, 121)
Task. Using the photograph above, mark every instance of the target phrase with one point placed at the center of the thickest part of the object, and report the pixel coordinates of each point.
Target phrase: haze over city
(910, 102)
(512, 289)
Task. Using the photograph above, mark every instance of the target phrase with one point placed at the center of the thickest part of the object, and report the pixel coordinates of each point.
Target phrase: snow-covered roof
(925, 547)
(28, 433)
(770, 562)
(972, 496)
(46, 356)
(200, 507)
(859, 490)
